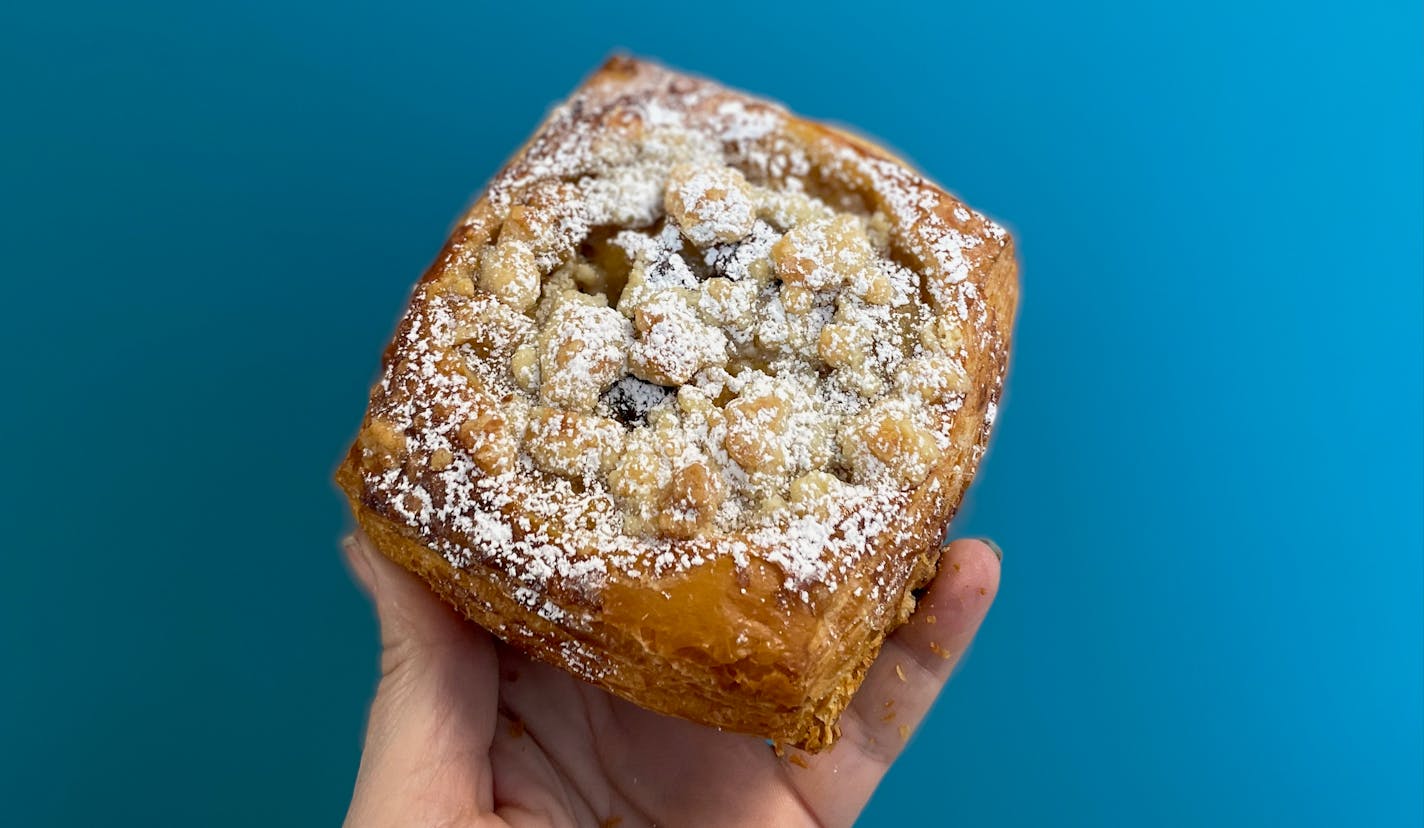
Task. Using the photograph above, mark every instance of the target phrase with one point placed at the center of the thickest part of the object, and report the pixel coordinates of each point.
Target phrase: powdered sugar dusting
(512, 436)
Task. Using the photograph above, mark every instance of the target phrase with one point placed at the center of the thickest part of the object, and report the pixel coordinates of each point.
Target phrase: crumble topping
(678, 334)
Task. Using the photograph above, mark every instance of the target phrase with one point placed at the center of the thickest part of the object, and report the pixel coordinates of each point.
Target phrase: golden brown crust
(725, 634)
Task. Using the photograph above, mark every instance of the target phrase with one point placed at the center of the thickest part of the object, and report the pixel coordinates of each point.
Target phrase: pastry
(687, 400)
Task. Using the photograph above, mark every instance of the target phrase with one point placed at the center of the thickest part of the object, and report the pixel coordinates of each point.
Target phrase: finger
(902, 684)
(919, 658)
(415, 623)
(434, 711)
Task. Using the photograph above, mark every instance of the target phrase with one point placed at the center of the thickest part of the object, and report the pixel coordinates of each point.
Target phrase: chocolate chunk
(630, 399)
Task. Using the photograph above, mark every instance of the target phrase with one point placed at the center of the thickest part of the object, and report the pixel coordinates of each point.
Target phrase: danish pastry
(687, 400)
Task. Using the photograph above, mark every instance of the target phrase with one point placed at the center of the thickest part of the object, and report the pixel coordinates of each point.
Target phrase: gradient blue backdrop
(1208, 476)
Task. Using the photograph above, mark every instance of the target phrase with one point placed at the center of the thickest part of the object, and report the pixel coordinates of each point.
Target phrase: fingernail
(994, 547)
(357, 563)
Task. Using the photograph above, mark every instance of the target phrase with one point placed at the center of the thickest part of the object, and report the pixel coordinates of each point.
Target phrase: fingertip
(358, 563)
(971, 566)
(920, 656)
(407, 608)
(378, 571)
(959, 597)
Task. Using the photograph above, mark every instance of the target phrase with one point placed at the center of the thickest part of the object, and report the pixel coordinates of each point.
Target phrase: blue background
(1207, 480)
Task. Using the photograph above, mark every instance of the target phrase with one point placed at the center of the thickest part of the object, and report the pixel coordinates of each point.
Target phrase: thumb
(417, 628)
(435, 705)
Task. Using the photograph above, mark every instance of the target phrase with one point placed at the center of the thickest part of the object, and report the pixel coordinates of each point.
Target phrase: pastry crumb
(900, 673)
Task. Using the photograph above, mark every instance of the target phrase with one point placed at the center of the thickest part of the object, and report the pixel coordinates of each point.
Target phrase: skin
(464, 731)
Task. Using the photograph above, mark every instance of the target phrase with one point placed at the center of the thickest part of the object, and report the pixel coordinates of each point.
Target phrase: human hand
(465, 731)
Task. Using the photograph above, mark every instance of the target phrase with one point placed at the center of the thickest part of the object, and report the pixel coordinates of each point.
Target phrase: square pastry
(687, 401)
